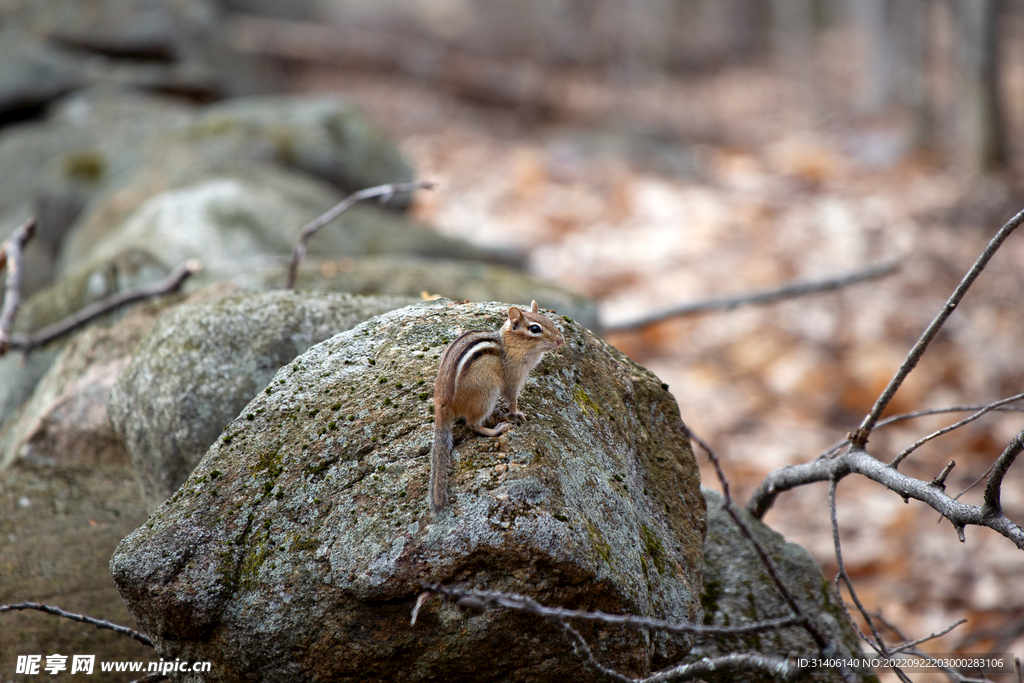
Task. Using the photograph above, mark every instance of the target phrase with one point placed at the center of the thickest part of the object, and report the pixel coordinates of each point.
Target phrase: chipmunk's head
(532, 325)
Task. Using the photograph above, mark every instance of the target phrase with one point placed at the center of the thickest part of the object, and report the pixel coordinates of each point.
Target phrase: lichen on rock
(298, 545)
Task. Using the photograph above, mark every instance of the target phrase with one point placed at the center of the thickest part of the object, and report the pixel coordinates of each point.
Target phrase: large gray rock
(65, 422)
(456, 280)
(738, 589)
(203, 362)
(109, 152)
(324, 136)
(242, 222)
(86, 146)
(297, 547)
(68, 495)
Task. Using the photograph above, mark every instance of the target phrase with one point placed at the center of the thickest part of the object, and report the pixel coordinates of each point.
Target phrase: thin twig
(998, 406)
(940, 481)
(385, 192)
(774, 668)
(841, 572)
(10, 255)
(945, 430)
(558, 616)
(976, 482)
(910, 646)
(790, 291)
(98, 623)
(903, 417)
(992, 506)
(860, 438)
(169, 284)
(523, 603)
(583, 651)
(878, 644)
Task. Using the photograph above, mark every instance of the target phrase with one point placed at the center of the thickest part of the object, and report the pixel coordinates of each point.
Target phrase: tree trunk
(982, 144)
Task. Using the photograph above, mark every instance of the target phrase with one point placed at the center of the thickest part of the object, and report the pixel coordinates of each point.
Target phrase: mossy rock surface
(203, 362)
(738, 589)
(296, 548)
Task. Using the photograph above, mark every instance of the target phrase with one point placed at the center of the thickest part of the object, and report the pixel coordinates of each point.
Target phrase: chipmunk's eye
(535, 328)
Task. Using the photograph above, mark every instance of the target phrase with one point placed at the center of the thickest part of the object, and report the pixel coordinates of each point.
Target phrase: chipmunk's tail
(440, 461)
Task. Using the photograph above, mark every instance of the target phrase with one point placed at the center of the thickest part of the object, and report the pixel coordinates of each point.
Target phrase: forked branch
(384, 192)
(98, 623)
(857, 461)
(860, 437)
(10, 256)
(169, 284)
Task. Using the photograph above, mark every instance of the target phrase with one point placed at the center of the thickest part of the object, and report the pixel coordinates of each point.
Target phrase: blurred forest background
(656, 153)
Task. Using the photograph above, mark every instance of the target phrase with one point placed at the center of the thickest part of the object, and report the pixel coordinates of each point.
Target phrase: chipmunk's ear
(515, 317)
(534, 307)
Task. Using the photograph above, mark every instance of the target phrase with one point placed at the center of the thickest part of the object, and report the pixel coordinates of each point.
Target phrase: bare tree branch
(523, 603)
(940, 480)
(945, 430)
(860, 438)
(857, 461)
(774, 666)
(385, 192)
(583, 651)
(911, 646)
(169, 284)
(878, 644)
(997, 407)
(98, 623)
(790, 291)
(10, 255)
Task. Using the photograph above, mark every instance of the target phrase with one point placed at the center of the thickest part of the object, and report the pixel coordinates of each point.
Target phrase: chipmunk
(476, 369)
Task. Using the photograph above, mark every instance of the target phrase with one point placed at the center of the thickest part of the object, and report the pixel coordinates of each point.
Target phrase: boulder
(737, 588)
(203, 362)
(322, 135)
(68, 495)
(65, 423)
(99, 155)
(87, 145)
(241, 222)
(296, 548)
